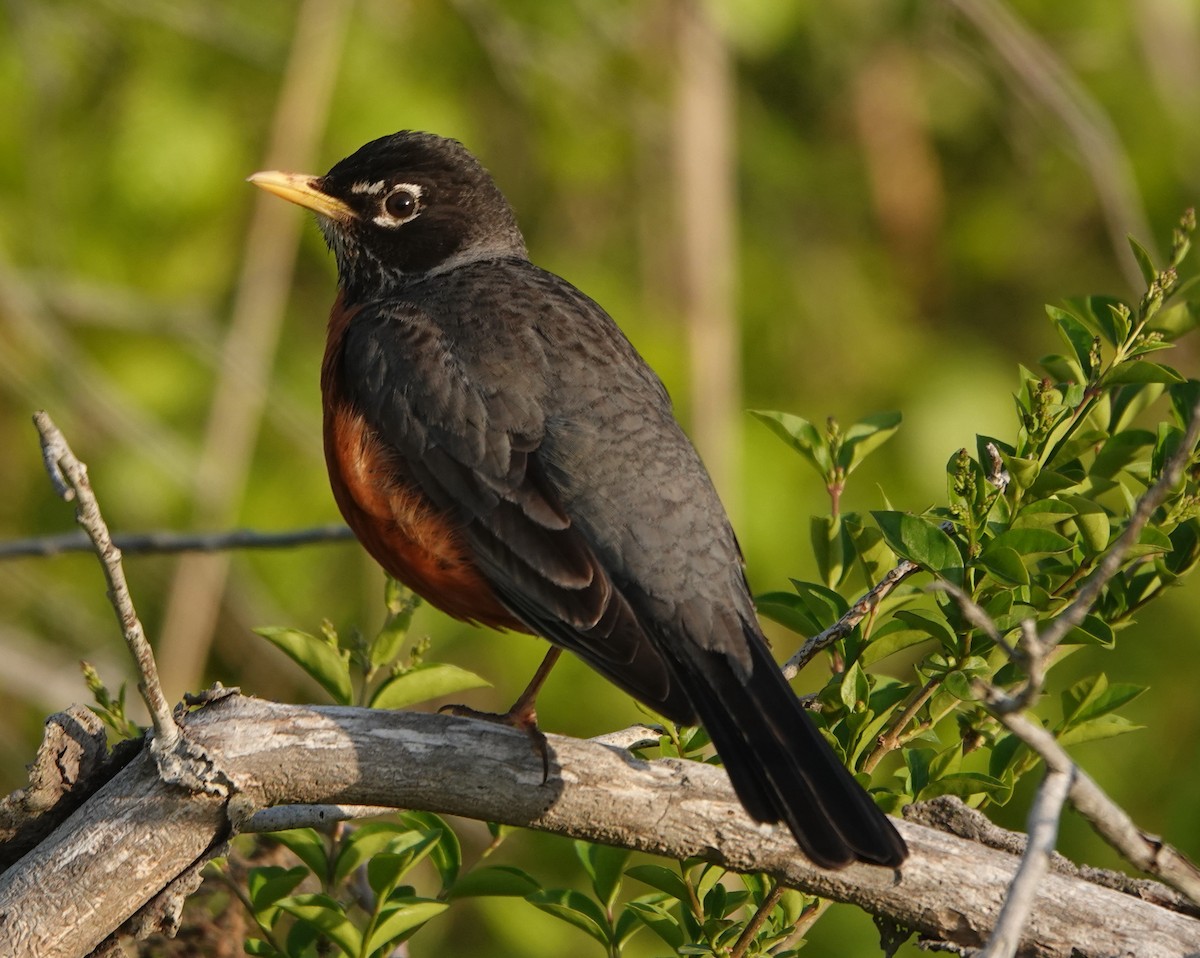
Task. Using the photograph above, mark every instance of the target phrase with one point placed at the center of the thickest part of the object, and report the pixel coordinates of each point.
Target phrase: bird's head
(400, 207)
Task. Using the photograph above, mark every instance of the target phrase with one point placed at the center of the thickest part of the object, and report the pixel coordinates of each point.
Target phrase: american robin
(497, 444)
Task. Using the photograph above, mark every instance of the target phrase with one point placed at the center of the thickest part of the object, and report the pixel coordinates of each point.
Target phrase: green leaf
(1097, 312)
(494, 880)
(788, 610)
(428, 680)
(1145, 263)
(939, 628)
(401, 604)
(266, 885)
(966, 785)
(1107, 726)
(802, 436)
(664, 879)
(1184, 397)
(325, 915)
(1022, 471)
(958, 684)
(575, 908)
(854, 688)
(1043, 514)
(1080, 339)
(865, 436)
(1093, 697)
(832, 547)
(890, 638)
(1093, 630)
(1142, 371)
(626, 926)
(921, 541)
(1119, 451)
(1148, 346)
(1029, 542)
(446, 854)
(826, 605)
(1185, 548)
(603, 863)
(659, 920)
(308, 846)
(329, 666)
(1122, 321)
(1152, 541)
(1092, 524)
(873, 556)
(710, 876)
(1005, 564)
(400, 922)
(372, 838)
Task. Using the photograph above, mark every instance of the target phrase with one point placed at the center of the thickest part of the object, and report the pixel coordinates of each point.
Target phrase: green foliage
(1025, 522)
(363, 910)
(111, 710)
(374, 667)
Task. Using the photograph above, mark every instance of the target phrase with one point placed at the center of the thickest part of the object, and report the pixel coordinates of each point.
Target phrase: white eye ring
(401, 205)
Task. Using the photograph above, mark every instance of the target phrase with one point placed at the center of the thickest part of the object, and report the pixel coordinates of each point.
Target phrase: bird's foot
(522, 718)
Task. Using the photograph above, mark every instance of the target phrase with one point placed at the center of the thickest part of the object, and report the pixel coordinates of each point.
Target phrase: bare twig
(281, 817)
(1043, 836)
(890, 739)
(856, 613)
(1110, 565)
(756, 922)
(160, 543)
(70, 480)
(1111, 822)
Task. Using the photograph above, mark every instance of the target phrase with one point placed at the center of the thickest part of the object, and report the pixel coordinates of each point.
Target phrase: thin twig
(890, 739)
(70, 480)
(1110, 565)
(161, 543)
(756, 922)
(1043, 836)
(282, 817)
(1111, 822)
(855, 614)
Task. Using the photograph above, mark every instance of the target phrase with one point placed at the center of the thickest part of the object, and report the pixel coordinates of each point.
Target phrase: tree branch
(136, 834)
(160, 543)
(70, 479)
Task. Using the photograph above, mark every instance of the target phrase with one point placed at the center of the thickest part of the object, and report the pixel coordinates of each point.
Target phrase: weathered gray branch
(136, 834)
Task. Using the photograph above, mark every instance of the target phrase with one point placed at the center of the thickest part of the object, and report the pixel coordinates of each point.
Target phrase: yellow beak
(299, 188)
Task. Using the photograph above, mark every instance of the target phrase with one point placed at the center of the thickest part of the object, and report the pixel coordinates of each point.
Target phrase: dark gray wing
(461, 398)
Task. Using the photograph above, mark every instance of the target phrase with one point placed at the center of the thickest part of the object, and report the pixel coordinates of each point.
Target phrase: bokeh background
(831, 209)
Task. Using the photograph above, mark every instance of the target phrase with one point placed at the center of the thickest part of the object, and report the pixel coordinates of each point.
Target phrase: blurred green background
(831, 209)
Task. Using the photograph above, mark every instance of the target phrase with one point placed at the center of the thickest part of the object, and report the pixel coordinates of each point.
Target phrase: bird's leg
(523, 713)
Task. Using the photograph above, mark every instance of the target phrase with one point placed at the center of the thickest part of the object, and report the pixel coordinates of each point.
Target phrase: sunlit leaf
(921, 541)
(329, 666)
(428, 680)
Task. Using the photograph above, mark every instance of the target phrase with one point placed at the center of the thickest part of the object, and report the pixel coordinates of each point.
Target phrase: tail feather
(780, 766)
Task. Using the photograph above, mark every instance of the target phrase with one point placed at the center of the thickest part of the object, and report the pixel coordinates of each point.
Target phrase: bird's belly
(401, 529)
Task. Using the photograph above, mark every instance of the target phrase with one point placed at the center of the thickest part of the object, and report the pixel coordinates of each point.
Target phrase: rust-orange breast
(402, 530)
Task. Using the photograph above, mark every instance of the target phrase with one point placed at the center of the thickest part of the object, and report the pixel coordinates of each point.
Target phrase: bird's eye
(401, 205)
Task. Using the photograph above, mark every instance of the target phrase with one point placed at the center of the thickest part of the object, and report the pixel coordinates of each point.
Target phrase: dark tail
(780, 766)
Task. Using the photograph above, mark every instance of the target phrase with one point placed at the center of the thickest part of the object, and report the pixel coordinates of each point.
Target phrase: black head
(402, 206)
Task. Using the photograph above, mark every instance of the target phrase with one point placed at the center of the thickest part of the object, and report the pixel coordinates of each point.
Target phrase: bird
(497, 444)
